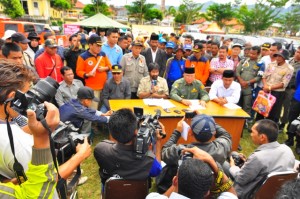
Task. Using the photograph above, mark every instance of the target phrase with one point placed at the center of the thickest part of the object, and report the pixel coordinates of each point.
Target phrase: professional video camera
(146, 135)
(43, 91)
(295, 127)
(66, 137)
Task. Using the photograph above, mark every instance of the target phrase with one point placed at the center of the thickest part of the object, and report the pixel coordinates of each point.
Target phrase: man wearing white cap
(7, 35)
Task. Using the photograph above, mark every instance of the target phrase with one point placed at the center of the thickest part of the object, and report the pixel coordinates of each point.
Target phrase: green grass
(91, 189)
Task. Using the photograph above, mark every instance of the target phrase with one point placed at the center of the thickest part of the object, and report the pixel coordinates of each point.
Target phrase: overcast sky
(168, 2)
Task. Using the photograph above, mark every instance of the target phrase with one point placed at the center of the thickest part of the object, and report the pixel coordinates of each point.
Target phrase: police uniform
(182, 90)
(134, 70)
(248, 70)
(119, 160)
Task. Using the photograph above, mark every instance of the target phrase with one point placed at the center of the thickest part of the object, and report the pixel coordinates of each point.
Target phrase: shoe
(82, 180)
(298, 149)
(289, 141)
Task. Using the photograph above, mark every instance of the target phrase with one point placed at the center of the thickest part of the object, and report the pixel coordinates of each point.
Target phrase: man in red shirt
(49, 63)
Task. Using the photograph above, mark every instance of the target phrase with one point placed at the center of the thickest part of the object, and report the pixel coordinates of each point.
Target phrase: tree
(153, 14)
(171, 11)
(188, 11)
(290, 20)
(139, 8)
(12, 8)
(92, 9)
(60, 4)
(219, 13)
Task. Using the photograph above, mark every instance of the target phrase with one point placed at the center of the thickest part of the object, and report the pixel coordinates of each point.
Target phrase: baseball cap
(283, 53)
(116, 68)
(179, 47)
(162, 40)
(8, 34)
(33, 35)
(86, 93)
(170, 45)
(137, 43)
(187, 47)
(197, 48)
(19, 37)
(266, 46)
(237, 45)
(94, 38)
(203, 127)
(50, 43)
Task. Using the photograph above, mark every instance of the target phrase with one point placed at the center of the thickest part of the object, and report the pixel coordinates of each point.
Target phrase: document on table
(158, 102)
(232, 106)
(185, 130)
(195, 105)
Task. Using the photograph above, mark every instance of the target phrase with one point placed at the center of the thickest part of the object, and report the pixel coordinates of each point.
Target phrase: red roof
(79, 5)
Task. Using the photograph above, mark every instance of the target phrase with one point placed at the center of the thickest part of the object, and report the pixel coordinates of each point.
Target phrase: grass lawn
(91, 189)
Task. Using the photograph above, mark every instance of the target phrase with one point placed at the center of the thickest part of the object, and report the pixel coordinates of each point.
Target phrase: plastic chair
(120, 189)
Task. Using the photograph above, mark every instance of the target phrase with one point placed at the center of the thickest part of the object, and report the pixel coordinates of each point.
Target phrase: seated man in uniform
(119, 159)
(187, 88)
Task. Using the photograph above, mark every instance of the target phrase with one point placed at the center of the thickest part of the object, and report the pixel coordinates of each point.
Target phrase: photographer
(270, 156)
(16, 78)
(118, 158)
(194, 179)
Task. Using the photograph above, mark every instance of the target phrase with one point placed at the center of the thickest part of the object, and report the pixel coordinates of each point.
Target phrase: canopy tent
(213, 29)
(100, 20)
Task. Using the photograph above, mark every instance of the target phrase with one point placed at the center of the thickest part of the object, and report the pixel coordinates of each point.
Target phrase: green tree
(92, 9)
(219, 13)
(139, 8)
(188, 11)
(12, 8)
(60, 4)
(153, 14)
(171, 11)
(290, 20)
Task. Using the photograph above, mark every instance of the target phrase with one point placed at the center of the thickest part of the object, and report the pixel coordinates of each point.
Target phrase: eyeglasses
(116, 73)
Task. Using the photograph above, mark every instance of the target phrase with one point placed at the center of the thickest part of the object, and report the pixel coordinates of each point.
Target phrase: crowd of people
(96, 68)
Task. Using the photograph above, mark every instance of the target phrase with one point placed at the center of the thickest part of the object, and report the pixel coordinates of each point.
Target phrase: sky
(168, 2)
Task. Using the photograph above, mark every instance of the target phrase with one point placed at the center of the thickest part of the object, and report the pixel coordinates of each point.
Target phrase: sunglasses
(116, 73)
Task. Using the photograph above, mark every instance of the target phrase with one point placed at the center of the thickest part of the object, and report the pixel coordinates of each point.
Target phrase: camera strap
(17, 167)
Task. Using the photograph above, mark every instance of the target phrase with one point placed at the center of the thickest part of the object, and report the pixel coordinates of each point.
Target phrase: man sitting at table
(153, 86)
(225, 90)
(187, 88)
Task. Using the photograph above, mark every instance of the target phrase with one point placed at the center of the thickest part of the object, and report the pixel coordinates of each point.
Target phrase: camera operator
(118, 158)
(15, 78)
(270, 156)
(197, 177)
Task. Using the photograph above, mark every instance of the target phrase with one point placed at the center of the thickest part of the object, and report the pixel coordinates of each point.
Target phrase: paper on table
(96, 66)
(185, 130)
(158, 102)
(195, 105)
(232, 106)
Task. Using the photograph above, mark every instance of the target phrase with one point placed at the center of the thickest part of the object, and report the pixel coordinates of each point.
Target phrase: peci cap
(266, 46)
(8, 34)
(197, 48)
(33, 35)
(86, 93)
(187, 47)
(283, 53)
(116, 68)
(228, 73)
(19, 37)
(50, 43)
(237, 45)
(189, 70)
(203, 127)
(137, 43)
(170, 45)
(154, 37)
(94, 38)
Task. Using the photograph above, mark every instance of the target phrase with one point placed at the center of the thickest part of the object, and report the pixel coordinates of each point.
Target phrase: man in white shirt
(225, 90)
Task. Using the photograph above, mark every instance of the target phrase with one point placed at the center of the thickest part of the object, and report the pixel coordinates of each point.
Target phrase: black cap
(95, 39)
(154, 37)
(33, 35)
(137, 43)
(19, 37)
(117, 68)
(179, 47)
(86, 93)
(283, 53)
(197, 47)
(228, 73)
(266, 46)
(189, 70)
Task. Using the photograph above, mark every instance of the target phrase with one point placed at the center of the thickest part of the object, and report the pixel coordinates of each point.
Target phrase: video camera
(295, 126)
(66, 137)
(146, 135)
(43, 91)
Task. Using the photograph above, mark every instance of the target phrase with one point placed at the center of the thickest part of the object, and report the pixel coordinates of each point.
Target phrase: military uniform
(248, 70)
(134, 69)
(182, 90)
